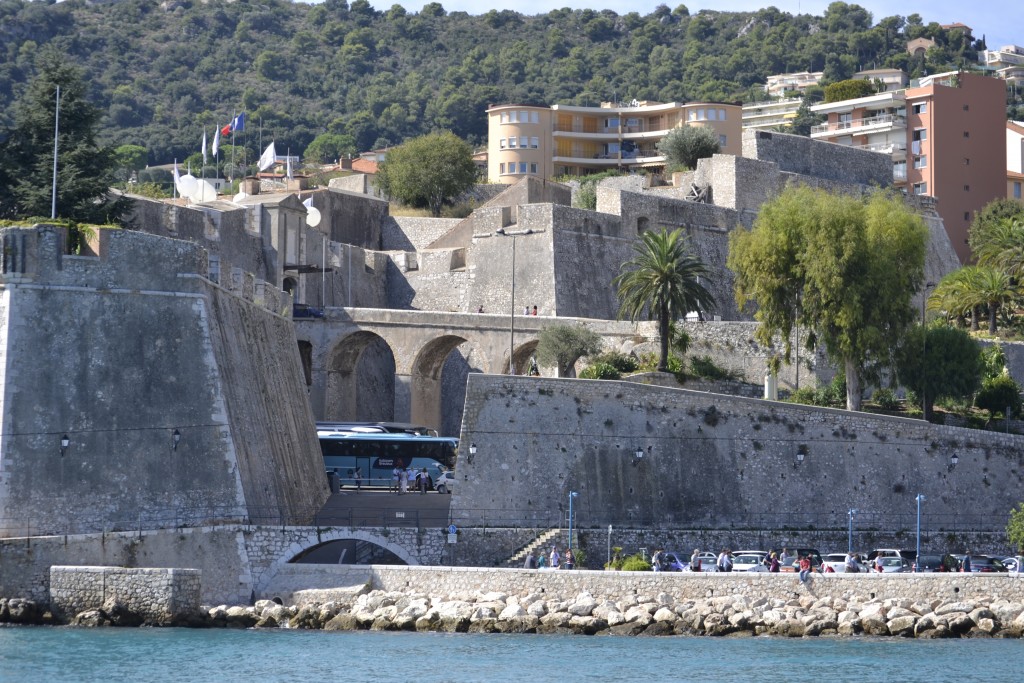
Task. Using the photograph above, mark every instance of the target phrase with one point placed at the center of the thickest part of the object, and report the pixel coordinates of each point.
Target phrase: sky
(1001, 22)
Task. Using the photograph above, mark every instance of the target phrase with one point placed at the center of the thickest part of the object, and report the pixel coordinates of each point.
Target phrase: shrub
(635, 563)
(703, 366)
(600, 371)
(997, 394)
(885, 399)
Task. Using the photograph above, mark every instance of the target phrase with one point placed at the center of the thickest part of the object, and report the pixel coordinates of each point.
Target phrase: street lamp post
(512, 313)
(572, 494)
(849, 536)
(920, 497)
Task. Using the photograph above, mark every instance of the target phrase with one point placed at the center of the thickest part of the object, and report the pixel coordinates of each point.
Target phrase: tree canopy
(682, 147)
(848, 90)
(939, 362)
(844, 267)
(428, 171)
(662, 282)
(85, 170)
(161, 72)
(563, 345)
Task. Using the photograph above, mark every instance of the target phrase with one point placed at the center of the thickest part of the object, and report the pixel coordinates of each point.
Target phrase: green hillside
(162, 71)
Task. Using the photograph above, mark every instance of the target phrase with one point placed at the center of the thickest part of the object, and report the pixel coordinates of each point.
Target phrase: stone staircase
(539, 545)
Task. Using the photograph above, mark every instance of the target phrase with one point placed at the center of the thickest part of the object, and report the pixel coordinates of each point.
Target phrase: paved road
(381, 508)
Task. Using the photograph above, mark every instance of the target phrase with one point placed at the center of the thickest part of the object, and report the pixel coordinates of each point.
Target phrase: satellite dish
(206, 192)
(187, 185)
(239, 197)
(312, 217)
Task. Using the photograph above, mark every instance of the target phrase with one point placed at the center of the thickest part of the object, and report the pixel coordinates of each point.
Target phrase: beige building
(560, 140)
(1007, 62)
(788, 85)
(772, 114)
(946, 135)
(1014, 159)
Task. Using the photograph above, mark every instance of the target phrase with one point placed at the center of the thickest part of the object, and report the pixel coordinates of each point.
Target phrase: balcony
(884, 147)
(859, 126)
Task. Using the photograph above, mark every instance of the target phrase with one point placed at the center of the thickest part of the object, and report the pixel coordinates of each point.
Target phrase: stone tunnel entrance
(347, 551)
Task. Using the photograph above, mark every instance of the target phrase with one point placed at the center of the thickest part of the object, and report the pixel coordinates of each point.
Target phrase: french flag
(237, 124)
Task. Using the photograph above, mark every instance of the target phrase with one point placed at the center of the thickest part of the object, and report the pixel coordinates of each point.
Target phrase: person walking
(965, 566)
(773, 563)
(695, 560)
(850, 564)
(784, 559)
(395, 474)
(403, 481)
(423, 479)
(531, 560)
(554, 558)
(724, 561)
(358, 476)
(570, 559)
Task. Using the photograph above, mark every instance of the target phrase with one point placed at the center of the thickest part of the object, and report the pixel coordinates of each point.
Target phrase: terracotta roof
(364, 166)
(1015, 126)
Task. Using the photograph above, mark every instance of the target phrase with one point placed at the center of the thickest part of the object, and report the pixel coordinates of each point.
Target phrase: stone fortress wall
(712, 461)
(120, 351)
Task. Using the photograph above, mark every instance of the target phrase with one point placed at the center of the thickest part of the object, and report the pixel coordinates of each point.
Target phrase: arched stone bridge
(383, 364)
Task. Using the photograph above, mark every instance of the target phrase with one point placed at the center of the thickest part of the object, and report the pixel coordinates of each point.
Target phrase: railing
(858, 123)
(408, 511)
(772, 103)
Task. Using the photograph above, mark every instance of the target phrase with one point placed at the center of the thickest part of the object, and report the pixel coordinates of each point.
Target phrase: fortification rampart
(157, 596)
(801, 155)
(713, 460)
(171, 391)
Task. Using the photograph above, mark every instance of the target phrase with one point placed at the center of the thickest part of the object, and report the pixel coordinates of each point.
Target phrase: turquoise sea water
(258, 656)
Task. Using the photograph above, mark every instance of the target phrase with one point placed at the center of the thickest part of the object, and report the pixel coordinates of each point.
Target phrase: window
(512, 143)
(501, 168)
(1016, 189)
(522, 167)
(899, 170)
(967, 188)
(921, 162)
(967, 107)
(920, 188)
(721, 115)
(712, 114)
(723, 140)
(512, 117)
(501, 143)
(967, 133)
(533, 168)
(534, 143)
(524, 117)
(692, 115)
(534, 117)
(967, 215)
(611, 123)
(701, 115)
(920, 134)
(967, 161)
(523, 142)
(504, 117)
(921, 108)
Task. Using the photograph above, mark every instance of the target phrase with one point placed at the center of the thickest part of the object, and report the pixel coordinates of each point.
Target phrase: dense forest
(162, 71)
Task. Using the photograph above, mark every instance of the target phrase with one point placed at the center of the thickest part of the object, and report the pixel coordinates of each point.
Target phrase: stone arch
(360, 379)
(312, 538)
(427, 380)
(521, 357)
(643, 224)
(290, 285)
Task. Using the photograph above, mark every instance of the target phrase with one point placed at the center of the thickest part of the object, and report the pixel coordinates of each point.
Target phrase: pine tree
(84, 169)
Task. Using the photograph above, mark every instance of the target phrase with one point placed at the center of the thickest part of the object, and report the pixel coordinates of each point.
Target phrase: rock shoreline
(585, 614)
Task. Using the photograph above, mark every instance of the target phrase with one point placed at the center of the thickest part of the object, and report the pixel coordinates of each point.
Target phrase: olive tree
(428, 171)
(563, 345)
(841, 266)
(682, 147)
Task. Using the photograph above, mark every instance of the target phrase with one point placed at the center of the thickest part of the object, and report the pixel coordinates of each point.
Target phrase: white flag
(216, 141)
(268, 158)
(308, 203)
(204, 147)
(177, 176)
(288, 167)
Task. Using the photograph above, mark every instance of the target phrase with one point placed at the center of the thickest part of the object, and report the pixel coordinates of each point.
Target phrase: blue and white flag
(238, 123)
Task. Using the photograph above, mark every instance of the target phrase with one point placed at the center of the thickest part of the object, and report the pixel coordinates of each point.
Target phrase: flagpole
(56, 131)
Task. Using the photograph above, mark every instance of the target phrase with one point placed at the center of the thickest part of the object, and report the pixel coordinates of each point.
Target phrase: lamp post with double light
(851, 513)
(512, 314)
(572, 494)
(919, 499)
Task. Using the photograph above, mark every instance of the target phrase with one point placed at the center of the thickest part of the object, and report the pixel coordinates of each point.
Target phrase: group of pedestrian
(554, 560)
(527, 311)
(403, 477)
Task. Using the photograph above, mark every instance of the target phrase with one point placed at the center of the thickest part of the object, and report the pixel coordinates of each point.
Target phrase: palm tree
(662, 282)
(1003, 247)
(971, 287)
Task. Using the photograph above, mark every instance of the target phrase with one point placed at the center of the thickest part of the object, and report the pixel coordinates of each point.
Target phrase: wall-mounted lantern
(64, 443)
(175, 438)
(472, 452)
(953, 460)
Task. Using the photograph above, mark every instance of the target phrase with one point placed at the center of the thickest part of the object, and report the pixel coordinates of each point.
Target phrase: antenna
(187, 185)
(312, 217)
(206, 192)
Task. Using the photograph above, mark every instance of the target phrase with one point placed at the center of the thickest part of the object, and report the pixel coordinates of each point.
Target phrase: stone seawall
(154, 596)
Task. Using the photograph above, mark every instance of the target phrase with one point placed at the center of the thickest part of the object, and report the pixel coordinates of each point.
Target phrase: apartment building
(788, 85)
(1014, 159)
(771, 114)
(548, 142)
(945, 134)
(1007, 62)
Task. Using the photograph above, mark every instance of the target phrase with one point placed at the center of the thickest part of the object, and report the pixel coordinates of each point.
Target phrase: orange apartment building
(559, 140)
(946, 134)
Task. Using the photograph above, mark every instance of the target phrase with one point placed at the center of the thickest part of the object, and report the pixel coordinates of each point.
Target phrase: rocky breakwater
(661, 615)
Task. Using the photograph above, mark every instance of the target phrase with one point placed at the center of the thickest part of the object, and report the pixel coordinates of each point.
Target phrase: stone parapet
(156, 596)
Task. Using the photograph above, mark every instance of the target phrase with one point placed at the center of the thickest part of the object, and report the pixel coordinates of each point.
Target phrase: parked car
(838, 562)
(749, 562)
(443, 484)
(892, 565)
(983, 564)
(672, 562)
(936, 563)
(306, 311)
(708, 562)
